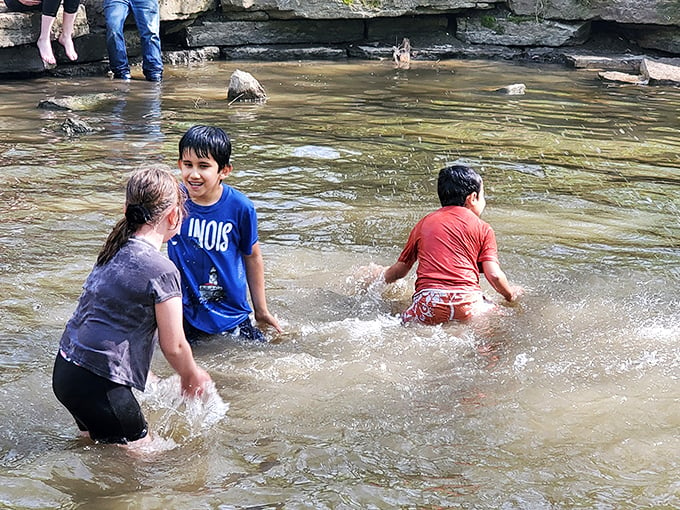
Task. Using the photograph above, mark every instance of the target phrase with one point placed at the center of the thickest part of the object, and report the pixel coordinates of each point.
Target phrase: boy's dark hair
(456, 183)
(207, 142)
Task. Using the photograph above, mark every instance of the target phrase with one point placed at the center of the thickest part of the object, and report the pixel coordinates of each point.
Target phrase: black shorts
(108, 411)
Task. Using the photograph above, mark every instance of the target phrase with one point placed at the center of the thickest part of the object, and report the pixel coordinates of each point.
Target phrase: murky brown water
(568, 400)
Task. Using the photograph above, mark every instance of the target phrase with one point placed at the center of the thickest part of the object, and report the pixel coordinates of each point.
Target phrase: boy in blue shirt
(217, 249)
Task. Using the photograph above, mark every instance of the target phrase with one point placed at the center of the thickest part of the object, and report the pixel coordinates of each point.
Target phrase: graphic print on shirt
(210, 235)
(211, 291)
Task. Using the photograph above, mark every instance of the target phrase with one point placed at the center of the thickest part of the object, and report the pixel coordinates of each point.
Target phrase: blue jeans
(147, 17)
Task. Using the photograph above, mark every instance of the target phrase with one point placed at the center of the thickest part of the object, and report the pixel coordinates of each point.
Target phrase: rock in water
(76, 103)
(72, 127)
(244, 87)
(659, 73)
(516, 89)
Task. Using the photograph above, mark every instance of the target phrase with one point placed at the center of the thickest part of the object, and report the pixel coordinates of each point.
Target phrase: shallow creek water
(567, 400)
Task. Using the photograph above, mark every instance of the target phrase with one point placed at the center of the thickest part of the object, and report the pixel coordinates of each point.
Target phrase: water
(566, 400)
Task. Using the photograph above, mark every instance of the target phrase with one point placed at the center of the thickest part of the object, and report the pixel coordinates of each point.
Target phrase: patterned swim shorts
(435, 306)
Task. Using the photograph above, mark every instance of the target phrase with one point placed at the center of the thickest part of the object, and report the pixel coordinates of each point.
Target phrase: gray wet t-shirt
(113, 329)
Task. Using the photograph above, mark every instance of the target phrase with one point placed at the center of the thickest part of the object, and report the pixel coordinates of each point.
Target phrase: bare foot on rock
(46, 54)
(69, 49)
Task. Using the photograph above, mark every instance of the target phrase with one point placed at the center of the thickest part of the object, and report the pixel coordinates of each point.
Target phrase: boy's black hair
(456, 183)
(207, 142)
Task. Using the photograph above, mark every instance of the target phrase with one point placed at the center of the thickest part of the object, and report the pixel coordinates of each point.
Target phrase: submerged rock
(516, 89)
(244, 87)
(73, 126)
(76, 103)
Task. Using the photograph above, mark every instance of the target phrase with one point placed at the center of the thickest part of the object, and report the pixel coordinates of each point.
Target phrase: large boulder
(244, 87)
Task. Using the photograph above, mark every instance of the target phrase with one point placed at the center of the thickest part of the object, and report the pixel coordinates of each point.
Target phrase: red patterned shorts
(435, 306)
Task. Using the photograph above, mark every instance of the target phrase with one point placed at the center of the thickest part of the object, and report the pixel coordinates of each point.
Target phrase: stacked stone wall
(535, 30)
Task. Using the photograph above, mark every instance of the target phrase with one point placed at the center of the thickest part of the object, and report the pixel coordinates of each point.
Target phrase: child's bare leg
(44, 43)
(66, 37)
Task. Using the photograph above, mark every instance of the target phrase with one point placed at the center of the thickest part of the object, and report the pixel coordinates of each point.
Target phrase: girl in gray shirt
(131, 297)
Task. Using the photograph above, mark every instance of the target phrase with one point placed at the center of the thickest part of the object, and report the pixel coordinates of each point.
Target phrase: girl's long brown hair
(150, 191)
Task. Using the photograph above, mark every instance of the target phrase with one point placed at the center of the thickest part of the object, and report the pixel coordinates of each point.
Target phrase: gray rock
(516, 89)
(73, 126)
(654, 12)
(393, 30)
(77, 103)
(239, 33)
(283, 53)
(244, 87)
(621, 63)
(618, 77)
(350, 9)
(186, 57)
(185, 9)
(664, 38)
(659, 73)
(499, 26)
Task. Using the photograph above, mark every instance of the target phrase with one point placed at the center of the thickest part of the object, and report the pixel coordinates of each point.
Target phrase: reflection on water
(566, 400)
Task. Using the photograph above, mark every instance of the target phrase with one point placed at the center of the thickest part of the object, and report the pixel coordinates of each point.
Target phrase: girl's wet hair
(456, 183)
(207, 142)
(150, 191)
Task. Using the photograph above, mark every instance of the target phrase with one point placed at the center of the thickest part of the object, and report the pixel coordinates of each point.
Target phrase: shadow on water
(564, 400)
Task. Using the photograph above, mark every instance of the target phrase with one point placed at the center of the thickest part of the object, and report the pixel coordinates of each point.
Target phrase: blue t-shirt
(209, 252)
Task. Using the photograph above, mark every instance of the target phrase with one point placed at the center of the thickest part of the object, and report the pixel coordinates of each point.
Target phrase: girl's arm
(176, 349)
(255, 278)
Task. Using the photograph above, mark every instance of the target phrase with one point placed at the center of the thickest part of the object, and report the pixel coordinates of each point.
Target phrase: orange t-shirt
(450, 245)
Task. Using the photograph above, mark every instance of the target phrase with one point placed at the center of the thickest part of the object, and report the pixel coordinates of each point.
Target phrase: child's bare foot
(69, 49)
(45, 49)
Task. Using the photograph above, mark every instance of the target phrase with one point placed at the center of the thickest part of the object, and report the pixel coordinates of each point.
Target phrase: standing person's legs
(115, 12)
(148, 19)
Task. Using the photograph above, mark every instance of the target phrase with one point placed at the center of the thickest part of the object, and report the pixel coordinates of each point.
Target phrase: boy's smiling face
(202, 177)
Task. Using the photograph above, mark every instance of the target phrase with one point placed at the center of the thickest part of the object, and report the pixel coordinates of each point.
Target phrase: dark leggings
(49, 7)
(108, 411)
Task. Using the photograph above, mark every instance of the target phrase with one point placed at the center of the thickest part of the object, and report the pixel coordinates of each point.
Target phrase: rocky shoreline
(580, 33)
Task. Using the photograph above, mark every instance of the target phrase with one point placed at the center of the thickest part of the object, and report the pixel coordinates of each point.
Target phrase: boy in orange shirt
(452, 245)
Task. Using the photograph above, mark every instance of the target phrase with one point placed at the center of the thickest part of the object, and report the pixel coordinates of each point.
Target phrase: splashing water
(177, 418)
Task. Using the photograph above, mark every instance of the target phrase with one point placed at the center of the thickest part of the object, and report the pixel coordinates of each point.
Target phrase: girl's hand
(194, 385)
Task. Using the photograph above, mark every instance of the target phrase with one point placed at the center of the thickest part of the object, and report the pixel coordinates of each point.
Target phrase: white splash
(521, 361)
(175, 416)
